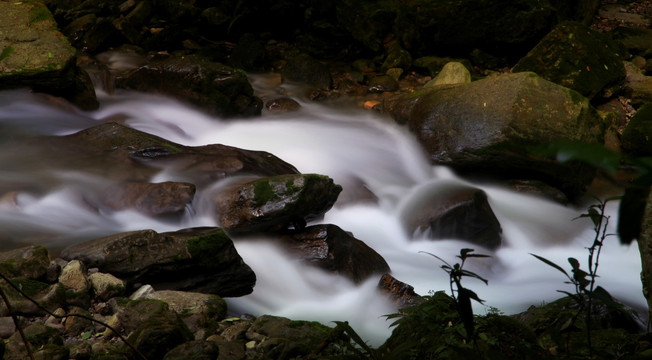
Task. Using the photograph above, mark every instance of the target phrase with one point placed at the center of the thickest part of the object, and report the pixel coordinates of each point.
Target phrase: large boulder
(452, 211)
(574, 56)
(219, 89)
(335, 250)
(34, 54)
(198, 259)
(275, 203)
(118, 152)
(487, 127)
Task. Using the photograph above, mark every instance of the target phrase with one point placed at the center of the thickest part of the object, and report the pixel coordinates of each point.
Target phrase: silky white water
(353, 147)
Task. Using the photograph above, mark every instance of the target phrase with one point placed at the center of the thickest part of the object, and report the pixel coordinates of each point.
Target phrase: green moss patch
(39, 13)
(6, 52)
(263, 192)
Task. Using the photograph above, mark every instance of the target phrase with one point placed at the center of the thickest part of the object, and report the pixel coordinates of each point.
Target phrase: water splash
(351, 146)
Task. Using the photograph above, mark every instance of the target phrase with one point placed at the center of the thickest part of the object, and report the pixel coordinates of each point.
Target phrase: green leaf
(574, 263)
(86, 335)
(474, 275)
(550, 263)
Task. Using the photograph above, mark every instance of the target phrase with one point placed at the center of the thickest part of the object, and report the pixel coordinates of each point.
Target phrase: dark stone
(288, 339)
(574, 56)
(539, 189)
(160, 199)
(400, 293)
(45, 342)
(335, 250)
(382, 83)
(488, 127)
(249, 54)
(197, 259)
(194, 350)
(303, 68)
(453, 211)
(31, 262)
(282, 105)
(274, 203)
(636, 136)
(154, 328)
(216, 88)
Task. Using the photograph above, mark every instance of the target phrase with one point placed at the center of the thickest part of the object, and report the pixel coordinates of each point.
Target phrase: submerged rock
(488, 126)
(197, 259)
(275, 203)
(217, 88)
(34, 54)
(120, 153)
(574, 56)
(453, 211)
(160, 199)
(335, 250)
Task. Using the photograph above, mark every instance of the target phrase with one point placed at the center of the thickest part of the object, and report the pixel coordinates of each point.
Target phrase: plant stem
(28, 347)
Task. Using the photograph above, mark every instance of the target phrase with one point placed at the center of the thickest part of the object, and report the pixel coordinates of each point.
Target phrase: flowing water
(348, 144)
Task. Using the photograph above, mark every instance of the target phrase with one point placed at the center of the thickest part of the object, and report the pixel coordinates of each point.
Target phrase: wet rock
(635, 40)
(382, 83)
(576, 57)
(216, 88)
(106, 286)
(160, 199)
(539, 189)
(31, 262)
(275, 203)
(335, 250)
(636, 136)
(197, 349)
(7, 327)
(400, 293)
(486, 127)
(452, 211)
(197, 259)
(120, 153)
(452, 73)
(35, 54)
(282, 105)
(303, 68)
(154, 329)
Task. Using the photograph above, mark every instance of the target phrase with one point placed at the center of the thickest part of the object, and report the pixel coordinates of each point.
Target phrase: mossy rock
(30, 262)
(433, 330)
(574, 56)
(155, 328)
(637, 136)
(275, 203)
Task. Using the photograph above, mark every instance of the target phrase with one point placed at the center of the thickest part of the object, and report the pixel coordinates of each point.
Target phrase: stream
(352, 146)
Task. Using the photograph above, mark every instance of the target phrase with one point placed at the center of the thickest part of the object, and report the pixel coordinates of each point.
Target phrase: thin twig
(28, 347)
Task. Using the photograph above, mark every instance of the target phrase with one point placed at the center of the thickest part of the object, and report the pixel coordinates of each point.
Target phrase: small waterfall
(352, 146)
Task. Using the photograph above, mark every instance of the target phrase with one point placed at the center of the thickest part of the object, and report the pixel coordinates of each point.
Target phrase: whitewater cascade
(350, 145)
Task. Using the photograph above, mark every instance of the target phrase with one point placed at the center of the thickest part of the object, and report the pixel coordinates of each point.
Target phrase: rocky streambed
(486, 106)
